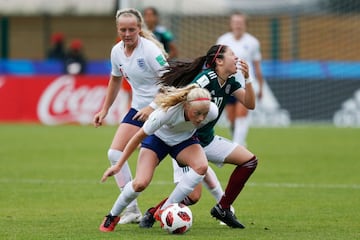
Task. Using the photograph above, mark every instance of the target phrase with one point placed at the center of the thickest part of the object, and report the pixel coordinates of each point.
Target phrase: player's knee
(252, 163)
(113, 156)
(201, 169)
(139, 186)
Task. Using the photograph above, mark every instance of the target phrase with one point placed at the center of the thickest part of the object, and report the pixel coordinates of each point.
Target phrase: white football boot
(130, 215)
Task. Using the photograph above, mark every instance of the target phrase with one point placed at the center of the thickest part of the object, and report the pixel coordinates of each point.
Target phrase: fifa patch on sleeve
(203, 81)
(161, 60)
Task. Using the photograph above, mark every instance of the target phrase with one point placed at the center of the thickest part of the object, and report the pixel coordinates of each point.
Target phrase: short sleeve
(115, 63)
(155, 121)
(213, 112)
(156, 60)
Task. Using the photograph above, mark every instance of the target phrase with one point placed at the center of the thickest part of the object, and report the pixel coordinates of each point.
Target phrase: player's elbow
(250, 105)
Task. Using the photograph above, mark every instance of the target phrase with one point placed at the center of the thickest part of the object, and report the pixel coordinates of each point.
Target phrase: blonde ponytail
(170, 96)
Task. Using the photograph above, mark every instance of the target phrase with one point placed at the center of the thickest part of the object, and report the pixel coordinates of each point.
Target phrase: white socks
(241, 128)
(184, 187)
(211, 182)
(127, 195)
(124, 176)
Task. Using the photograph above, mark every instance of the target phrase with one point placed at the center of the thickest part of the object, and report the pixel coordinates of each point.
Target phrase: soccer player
(151, 18)
(140, 58)
(246, 47)
(221, 64)
(169, 130)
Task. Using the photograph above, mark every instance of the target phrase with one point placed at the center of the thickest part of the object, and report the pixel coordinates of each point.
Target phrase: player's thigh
(145, 168)
(241, 110)
(218, 149)
(122, 136)
(239, 156)
(230, 112)
(194, 157)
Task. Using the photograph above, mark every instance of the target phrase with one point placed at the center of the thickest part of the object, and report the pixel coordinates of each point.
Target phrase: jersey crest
(227, 88)
(141, 63)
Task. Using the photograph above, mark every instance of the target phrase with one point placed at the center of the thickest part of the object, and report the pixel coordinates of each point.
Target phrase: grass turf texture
(307, 186)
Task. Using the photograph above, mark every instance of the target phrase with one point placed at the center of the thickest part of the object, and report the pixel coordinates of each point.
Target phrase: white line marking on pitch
(251, 184)
(305, 185)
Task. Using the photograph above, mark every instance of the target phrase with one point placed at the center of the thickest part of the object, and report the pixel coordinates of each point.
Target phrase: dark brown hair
(180, 73)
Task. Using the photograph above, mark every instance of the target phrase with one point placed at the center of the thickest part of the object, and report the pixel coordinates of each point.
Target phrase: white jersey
(171, 127)
(246, 48)
(141, 69)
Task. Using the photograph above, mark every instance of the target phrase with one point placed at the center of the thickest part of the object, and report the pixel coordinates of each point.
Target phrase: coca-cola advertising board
(54, 100)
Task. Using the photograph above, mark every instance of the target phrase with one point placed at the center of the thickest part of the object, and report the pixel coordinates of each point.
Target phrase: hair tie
(200, 99)
(216, 54)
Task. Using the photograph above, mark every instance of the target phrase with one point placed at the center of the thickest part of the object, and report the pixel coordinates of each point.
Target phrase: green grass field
(307, 186)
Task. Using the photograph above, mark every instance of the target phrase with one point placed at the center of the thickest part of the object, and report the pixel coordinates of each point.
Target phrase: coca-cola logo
(2, 81)
(64, 102)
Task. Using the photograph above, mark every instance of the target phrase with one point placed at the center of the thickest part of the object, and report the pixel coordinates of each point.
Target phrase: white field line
(251, 184)
(305, 185)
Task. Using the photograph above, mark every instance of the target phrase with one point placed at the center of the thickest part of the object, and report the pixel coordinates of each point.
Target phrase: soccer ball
(176, 218)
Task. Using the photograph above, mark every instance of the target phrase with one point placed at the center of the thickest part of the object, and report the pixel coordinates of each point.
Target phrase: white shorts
(216, 152)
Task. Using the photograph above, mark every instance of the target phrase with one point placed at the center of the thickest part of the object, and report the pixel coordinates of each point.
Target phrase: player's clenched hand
(243, 66)
(143, 114)
(99, 117)
(111, 171)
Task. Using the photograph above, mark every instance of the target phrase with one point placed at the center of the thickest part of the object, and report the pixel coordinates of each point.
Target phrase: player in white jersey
(140, 58)
(246, 47)
(169, 130)
(221, 64)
